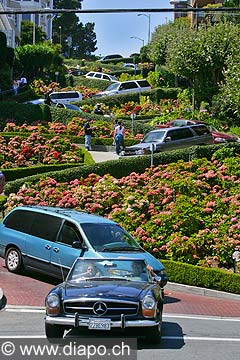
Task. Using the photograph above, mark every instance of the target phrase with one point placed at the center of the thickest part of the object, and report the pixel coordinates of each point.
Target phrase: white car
(125, 87)
(130, 65)
(100, 76)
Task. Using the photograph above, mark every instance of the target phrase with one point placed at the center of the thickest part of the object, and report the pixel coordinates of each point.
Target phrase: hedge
(211, 278)
(124, 166)
(155, 96)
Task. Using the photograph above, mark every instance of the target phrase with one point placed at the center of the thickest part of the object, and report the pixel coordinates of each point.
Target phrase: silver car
(171, 139)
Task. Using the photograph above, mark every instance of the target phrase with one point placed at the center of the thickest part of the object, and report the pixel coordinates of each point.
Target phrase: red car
(218, 137)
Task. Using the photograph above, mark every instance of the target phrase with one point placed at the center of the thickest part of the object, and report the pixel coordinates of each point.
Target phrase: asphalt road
(184, 337)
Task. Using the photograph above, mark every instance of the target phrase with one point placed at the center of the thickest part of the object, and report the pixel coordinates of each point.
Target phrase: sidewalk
(100, 156)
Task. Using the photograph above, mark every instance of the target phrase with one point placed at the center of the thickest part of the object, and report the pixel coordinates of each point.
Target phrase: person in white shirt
(236, 259)
(119, 137)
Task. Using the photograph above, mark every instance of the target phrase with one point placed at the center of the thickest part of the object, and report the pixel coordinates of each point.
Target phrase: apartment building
(195, 17)
(11, 24)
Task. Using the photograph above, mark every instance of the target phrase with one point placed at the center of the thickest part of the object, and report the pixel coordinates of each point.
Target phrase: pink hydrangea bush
(187, 211)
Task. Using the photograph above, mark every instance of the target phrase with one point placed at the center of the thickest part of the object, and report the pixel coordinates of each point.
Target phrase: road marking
(199, 338)
(22, 310)
(199, 317)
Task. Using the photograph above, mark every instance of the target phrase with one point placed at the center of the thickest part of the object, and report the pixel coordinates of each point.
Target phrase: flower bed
(183, 211)
(37, 149)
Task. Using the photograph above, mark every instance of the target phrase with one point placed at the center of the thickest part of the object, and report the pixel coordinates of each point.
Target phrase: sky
(114, 31)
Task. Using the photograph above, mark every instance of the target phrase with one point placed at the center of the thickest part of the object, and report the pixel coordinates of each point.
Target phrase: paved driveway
(26, 290)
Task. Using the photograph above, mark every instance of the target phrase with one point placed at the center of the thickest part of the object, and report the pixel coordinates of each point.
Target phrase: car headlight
(148, 306)
(53, 304)
(219, 140)
(140, 152)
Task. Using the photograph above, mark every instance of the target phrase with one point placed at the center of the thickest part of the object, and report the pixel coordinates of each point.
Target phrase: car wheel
(154, 334)
(54, 331)
(13, 260)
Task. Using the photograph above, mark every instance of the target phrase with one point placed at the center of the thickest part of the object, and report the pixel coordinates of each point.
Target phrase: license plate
(99, 324)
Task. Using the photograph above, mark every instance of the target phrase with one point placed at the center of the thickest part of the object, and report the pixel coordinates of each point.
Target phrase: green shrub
(211, 278)
(23, 113)
(155, 95)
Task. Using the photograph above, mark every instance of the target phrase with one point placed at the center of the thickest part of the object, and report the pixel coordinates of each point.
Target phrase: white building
(11, 24)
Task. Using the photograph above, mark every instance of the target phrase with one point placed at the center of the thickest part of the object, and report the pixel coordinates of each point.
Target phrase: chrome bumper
(80, 322)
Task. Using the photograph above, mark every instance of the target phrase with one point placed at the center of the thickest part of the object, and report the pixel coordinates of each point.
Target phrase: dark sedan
(106, 295)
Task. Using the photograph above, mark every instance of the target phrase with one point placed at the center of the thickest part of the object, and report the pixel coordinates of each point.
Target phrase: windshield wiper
(121, 248)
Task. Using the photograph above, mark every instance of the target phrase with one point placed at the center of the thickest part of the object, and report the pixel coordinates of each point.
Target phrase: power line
(111, 11)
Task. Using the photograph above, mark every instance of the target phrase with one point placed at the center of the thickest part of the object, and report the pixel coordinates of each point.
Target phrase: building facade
(11, 24)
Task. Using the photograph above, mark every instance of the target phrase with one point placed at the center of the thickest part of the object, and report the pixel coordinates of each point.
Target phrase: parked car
(218, 136)
(69, 107)
(125, 87)
(60, 105)
(171, 139)
(106, 295)
(49, 239)
(100, 76)
(110, 57)
(130, 65)
(64, 97)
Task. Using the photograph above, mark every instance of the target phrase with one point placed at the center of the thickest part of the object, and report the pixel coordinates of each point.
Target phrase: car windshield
(109, 237)
(154, 136)
(109, 270)
(112, 87)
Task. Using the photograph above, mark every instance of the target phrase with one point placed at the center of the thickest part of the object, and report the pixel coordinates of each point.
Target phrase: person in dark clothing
(88, 135)
(98, 110)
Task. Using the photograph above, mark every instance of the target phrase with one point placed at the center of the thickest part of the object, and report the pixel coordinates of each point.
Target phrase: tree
(163, 35)
(67, 26)
(37, 60)
(200, 55)
(227, 105)
(27, 29)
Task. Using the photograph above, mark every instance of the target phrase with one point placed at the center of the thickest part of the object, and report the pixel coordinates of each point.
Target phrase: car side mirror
(77, 245)
(168, 139)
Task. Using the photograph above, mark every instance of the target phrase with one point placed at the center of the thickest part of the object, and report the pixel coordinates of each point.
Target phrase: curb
(201, 291)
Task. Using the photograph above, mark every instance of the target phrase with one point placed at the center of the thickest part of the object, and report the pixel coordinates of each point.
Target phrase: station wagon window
(69, 233)
(179, 134)
(45, 226)
(201, 130)
(19, 220)
(98, 76)
(105, 77)
(129, 85)
(143, 83)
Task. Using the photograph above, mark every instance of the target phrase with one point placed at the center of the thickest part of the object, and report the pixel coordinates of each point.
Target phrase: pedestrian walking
(119, 137)
(236, 259)
(2, 182)
(88, 135)
(15, 87)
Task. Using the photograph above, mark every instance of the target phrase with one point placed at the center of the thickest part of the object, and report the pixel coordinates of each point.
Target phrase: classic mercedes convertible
(105, 295)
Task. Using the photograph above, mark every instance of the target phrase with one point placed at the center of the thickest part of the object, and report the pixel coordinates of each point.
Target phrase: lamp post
(135, 37)
(149, 25)
(34, 30)
(60, 34)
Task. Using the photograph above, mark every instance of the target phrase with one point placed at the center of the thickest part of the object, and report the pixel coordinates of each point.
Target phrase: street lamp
(60, 35)
(149, 25)
(135, 37)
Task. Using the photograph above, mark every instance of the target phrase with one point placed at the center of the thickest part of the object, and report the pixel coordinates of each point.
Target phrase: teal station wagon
(49, 239)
